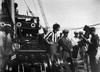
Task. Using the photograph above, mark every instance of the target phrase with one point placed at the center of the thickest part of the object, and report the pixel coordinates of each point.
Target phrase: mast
(43, 13)
(13, 17)
(12, 11)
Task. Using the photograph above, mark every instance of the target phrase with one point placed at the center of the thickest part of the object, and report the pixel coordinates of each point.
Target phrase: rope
(29, 9)
(43, 14)
(83, 27)
(35, 7)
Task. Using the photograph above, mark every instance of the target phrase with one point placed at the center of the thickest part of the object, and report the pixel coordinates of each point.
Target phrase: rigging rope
(43, 14)
(29, 9)
(83, 27)
(35, 6)
(36, 12)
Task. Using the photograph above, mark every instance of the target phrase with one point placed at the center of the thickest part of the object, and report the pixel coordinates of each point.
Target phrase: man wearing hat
(66, 46)
(52, 39)
(80, 34)
(75, 40)
(65, 42)
(92, 50)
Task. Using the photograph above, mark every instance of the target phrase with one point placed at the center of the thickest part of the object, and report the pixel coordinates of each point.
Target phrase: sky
(67, 13)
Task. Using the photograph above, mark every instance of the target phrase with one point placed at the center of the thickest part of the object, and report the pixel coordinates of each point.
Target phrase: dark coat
(94, 43)
(65, 44)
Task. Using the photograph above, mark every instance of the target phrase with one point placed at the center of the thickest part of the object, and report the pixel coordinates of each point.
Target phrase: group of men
(87, 42)
(59, 45)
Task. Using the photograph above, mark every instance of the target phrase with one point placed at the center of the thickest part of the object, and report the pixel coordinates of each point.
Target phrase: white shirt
(2, 36)
(75, 41)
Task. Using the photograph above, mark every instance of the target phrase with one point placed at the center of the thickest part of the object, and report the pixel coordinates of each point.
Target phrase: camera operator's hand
(86, 40)
(71, 50)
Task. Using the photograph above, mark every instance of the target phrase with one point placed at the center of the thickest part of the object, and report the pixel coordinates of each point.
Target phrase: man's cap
(75, 32)
(92, 29)
(45, 29)
(86, 28)
(65, 31)
(80, 32)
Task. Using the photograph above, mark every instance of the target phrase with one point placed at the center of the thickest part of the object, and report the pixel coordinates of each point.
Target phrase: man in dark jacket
(66, 46)
(65, 42)
(93, 47)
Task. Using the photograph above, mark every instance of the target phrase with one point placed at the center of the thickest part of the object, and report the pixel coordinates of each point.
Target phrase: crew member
(93, 47)
(66, 46)
(51, 38)
(75, 44)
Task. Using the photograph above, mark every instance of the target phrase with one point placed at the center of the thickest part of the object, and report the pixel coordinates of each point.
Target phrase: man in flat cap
(75, 40)
(65, 42)
(66, 46)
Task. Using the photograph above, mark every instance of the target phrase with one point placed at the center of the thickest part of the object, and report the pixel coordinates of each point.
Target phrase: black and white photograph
(49, 35)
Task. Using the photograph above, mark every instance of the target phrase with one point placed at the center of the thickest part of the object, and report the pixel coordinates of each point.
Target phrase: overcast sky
(68, 13)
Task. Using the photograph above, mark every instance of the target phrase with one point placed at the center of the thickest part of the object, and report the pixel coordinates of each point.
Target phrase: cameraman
(93, 47)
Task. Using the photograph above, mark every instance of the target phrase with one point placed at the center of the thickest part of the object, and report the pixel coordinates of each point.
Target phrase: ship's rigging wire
(29, 9)
(35, 7)
(83, 27)
(36, 11)
(43, 13)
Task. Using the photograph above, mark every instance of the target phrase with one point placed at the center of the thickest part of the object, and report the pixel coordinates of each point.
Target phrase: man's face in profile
(57, 30)
(66, 34)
